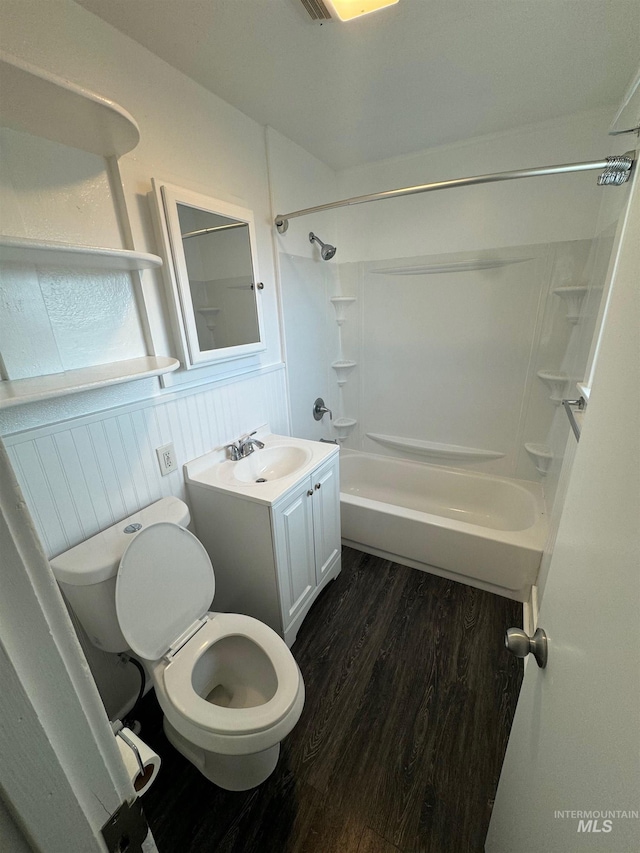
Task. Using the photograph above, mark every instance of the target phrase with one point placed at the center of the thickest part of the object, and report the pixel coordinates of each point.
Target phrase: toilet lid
(165, 582)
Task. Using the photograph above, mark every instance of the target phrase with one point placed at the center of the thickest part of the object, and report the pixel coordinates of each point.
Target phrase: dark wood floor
(410, 696)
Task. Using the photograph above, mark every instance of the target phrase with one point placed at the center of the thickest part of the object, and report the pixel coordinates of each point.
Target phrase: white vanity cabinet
(272, 552)
(306, 537)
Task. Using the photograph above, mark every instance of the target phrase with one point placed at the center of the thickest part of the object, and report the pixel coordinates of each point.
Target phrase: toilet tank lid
(97, 559)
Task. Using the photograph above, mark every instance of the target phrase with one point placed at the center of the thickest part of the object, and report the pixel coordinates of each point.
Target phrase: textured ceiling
(419, 74)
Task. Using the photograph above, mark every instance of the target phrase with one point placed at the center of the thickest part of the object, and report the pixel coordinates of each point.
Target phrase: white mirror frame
(167, 197)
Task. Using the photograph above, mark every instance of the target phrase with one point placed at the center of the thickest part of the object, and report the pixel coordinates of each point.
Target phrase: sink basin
(266, 465)
(264, 476)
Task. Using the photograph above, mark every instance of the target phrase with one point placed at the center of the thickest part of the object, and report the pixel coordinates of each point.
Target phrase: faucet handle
(234, 451)
(319, 409)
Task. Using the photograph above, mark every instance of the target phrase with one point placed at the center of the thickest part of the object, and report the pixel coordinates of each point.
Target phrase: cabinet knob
(317, 486)
(309, 493)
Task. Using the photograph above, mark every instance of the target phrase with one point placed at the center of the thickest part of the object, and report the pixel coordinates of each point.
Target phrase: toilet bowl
(228, 686)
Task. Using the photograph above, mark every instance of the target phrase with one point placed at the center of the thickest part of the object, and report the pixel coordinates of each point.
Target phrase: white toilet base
(231, 772)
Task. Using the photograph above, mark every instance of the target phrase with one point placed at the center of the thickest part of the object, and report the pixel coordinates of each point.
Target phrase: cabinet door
(326, 515)
(295, 558)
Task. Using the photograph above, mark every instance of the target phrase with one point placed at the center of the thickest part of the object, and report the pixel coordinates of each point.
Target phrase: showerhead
(327, 251)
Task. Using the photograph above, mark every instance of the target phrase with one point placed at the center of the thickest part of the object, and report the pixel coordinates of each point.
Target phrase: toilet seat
(164, 588)
(165, 583)
(217, 719)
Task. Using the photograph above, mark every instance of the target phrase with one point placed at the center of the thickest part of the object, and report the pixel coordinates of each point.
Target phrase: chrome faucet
(244, 446)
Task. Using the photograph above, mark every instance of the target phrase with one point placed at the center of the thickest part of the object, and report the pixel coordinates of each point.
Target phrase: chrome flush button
(133, 528)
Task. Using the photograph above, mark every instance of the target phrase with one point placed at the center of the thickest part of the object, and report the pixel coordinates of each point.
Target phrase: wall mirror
(212, 277)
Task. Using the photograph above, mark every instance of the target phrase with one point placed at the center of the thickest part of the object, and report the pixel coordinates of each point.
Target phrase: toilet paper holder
(132, 746)
(142, 763)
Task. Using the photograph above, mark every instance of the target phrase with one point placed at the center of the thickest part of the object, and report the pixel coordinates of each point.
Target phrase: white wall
(87, 460)
(299, 180)
(535, 210)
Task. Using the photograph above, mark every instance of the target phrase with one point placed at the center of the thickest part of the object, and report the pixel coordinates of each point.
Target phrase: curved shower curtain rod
(213, 228)
(616, 171)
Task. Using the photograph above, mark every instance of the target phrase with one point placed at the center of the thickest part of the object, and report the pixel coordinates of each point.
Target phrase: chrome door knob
(521, 644)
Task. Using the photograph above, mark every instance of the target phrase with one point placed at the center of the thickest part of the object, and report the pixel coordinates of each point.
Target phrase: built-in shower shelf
(210, 315)
(43, 104)
(51, 253)
(556, 382)
(18, 391)
(434, 449)
(542, 456)
(343, 368)
(573, 295)
(454, 266)
(343, 427)
(340, 304)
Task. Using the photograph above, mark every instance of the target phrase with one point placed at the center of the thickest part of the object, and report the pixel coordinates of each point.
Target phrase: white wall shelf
(18, 391)
(43, 104)
(51, 253)
(434, 449)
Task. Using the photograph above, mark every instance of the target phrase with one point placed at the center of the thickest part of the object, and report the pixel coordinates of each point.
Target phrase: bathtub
(474, 528)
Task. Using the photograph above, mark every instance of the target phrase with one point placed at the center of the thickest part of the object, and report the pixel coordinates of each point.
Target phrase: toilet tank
(87, 573)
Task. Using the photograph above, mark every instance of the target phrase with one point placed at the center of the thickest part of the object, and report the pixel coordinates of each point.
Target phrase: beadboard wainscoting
(81, 476)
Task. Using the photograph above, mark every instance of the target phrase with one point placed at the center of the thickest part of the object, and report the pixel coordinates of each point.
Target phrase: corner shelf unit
(210, 316)
(573, 296)
(51, 253)
(542, 457)
(38, 102)
(340, 304)
(556, 383)
(343, 427)
(15, 392)
(343, 368)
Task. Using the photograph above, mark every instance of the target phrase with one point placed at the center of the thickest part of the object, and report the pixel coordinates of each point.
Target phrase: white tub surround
(483, 530)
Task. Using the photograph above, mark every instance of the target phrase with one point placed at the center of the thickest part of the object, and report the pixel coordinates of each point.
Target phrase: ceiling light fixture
(344, 10)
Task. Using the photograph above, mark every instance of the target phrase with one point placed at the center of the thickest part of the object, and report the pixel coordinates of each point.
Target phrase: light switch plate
(166, 459)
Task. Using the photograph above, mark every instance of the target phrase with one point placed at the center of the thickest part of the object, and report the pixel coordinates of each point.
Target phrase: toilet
(228, 686)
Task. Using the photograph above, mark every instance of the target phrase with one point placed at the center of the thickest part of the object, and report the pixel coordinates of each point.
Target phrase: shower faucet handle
(319, 409)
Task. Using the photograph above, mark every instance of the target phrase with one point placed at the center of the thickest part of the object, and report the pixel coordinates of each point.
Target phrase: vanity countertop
(215, 471)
